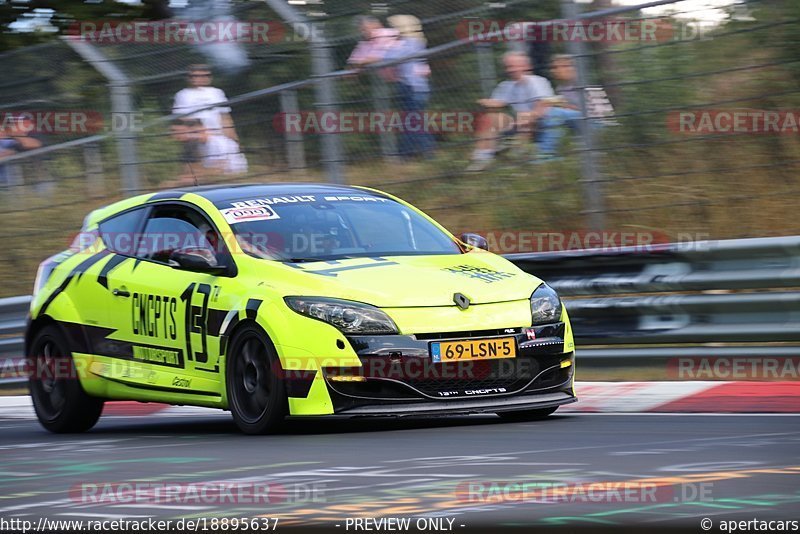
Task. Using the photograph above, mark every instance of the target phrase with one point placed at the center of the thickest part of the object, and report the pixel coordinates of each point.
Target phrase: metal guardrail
(713, 298)
(727, 298)
(13, 311)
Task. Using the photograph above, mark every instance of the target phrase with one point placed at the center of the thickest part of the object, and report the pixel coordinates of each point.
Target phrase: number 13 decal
(196, 321)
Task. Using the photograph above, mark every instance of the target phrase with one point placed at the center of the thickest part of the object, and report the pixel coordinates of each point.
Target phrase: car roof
(221, 194)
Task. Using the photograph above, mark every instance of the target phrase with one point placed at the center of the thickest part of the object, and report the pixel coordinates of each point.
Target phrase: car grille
(467, 334)
(485, 376)
(507, 374)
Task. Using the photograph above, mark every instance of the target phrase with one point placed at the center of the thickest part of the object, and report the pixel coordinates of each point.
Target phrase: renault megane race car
(289, 300)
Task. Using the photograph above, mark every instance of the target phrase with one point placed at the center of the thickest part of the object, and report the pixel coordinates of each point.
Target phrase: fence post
(325, 88)
(326, 97)
(15, 173)
(486, 67)
(121, 105)
(594, 201)
(382, 101)
(295, 150)
(93, 161)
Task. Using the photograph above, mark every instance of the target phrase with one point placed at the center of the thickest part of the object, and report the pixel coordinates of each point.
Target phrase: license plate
(477, 349)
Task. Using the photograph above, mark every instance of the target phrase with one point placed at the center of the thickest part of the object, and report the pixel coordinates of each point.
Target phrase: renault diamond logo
(461, 300)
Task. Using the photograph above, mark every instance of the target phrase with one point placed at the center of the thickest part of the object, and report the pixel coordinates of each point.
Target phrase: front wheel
(61, 404)
(527, 415)
(256, 393)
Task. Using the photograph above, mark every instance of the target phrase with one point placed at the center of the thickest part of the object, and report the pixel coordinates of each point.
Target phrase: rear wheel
(256, 394)
(527, 415)
(61, 404)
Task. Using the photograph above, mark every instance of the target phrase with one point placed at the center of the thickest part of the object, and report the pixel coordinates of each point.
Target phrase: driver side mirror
(475, 240)
(199, 260)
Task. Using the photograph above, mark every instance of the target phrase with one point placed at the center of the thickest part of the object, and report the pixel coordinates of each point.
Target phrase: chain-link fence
(641, 167)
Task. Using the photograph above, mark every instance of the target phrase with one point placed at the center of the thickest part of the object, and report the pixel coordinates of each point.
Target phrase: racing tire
(527, 415)
(256, 393)
(60, 403)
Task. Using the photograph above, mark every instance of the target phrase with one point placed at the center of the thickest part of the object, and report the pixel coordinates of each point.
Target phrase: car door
(89, 291)
(163, 313)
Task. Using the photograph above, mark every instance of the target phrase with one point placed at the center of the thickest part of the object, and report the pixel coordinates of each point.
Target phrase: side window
(177, 227)
(119, 233)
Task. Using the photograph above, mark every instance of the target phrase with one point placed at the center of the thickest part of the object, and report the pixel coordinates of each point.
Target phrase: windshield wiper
(301, 260)
(410, 227)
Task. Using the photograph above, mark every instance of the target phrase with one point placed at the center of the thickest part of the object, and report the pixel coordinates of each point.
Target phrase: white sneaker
(478, 165)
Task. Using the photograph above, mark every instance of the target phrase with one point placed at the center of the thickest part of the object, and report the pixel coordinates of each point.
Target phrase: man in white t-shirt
(521, 91)
(218, 144)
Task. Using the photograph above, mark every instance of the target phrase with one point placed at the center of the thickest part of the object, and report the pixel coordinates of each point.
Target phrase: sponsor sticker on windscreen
(239, 215)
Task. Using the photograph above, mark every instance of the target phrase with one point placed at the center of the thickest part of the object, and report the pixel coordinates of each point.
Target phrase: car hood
(412, 281)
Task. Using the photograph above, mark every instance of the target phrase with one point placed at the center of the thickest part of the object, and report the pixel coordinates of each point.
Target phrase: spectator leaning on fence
(412, 88)
(521, 92)
(7, 148)
(16, 135)
(376, 41)
(219, 143)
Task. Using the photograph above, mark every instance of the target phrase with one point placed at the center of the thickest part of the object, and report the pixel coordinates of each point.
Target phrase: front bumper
(398, 377)
(463, 407)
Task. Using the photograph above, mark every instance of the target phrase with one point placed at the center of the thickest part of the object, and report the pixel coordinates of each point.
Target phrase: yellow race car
(289, 300)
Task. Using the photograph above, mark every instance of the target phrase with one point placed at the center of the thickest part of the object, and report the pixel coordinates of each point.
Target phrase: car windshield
(316, 227)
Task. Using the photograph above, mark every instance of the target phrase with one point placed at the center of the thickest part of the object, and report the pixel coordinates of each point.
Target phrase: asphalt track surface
(720, 467)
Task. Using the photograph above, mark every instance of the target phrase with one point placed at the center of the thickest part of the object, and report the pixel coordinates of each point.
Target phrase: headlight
(545, 305)
(42, 274)
(349, 317)
(45, 269)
